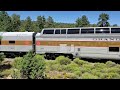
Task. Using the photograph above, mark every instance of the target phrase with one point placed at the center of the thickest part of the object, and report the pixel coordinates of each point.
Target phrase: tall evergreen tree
(28, 24)
(103, 20)
(41, 22)
(50, 22)
(82, 22)
(16, 22)
(5, 22)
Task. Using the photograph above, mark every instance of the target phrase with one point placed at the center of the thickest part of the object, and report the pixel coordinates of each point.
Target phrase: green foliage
(2, 56)
(64, 25)
(110, 75)
(16, 22)
(61, 75)
(82, 22)
(6, 72)
(38, 67)
(41, 22)
(5, 22)
(115, 25)
(110, 64)
(103, 20)
(79, 62)
(63, 60)
(100, 66)
(31, 66)
(18, 62)
(50, 22)
(28, 24)
(16, 74)
(72, 67)
(88, 76)
(93, 25)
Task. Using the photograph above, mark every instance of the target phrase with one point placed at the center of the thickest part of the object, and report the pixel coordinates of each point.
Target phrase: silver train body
(85, 42)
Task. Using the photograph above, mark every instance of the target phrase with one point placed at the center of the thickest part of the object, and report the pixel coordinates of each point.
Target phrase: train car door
(63, 48)
(72, 48)
(12, 45)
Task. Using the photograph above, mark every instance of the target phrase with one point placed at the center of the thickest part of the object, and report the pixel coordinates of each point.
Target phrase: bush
(96, 73)
(99, 66)
(78, 73)
(6, 72)
(114, 70)
(30, 66)
(110, 76)
(110, 64)
(90, 66)
(63, 60)
(73, 67)
(80, 62)
(16, 74)
(2, 56)
(61, 75)
(17, 63)
(88, 76)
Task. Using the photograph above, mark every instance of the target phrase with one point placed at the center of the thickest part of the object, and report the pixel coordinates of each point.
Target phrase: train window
(48, 32)
(57, 31)
(85, 31)
(115, 30)
(63, 31)
(102, 30)
(78, 49)
(73, 31)
(11, 42)
(113, 49)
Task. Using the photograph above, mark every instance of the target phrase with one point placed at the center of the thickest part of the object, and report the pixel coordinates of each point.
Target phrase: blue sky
(69, 16)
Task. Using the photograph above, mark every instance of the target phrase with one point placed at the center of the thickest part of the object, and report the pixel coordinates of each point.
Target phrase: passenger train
(83, 42)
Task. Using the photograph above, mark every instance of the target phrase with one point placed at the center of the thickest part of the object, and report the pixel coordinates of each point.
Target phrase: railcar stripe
(16, 43)
(80, 43)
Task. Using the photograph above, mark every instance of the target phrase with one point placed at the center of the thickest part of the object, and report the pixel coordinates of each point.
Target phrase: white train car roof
(16, 33)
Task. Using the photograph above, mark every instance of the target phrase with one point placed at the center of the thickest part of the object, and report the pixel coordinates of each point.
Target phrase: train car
(17, 43)
(84, 42)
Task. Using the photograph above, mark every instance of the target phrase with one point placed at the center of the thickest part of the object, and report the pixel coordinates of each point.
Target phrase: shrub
(61, 75)
(6, 72)
(79, 62)
(63, 60)
(54, 67)
(96, 73)
(78, 73)
(16, 74)
(110, 64)
(30, 66)
(88, 76)
(33, 68)
(110, 76)
(104, 70)
(17, 63)
(90, 66)
(2, 56)
(72, 67)
(84, 70)
(99, 66)
(114, 70)
(70, 76)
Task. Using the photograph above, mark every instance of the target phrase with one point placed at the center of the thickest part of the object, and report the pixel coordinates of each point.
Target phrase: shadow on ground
(5, 66)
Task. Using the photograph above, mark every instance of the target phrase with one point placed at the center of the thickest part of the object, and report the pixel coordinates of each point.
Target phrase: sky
(69, 16)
